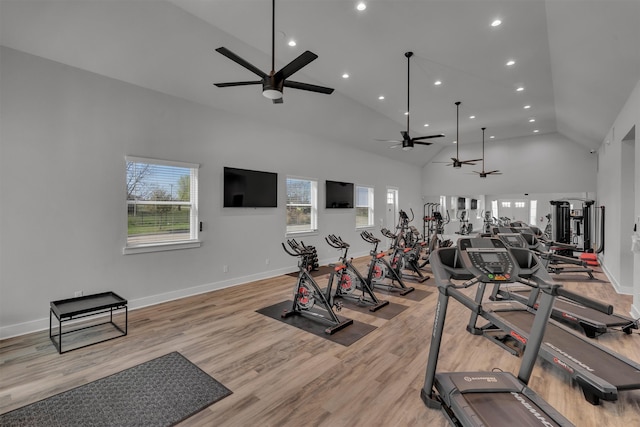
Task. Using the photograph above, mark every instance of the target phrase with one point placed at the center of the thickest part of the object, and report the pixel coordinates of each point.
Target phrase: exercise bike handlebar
(370, 238)
(387, 233)
(336, 242)
(298, 249)
(289, 252)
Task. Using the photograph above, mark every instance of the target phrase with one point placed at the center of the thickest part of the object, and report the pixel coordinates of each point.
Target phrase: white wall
(620, 223)
(548, 163)
(64, 135)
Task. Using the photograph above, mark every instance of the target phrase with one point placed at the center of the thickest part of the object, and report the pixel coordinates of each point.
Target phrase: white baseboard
(42, 324)
(623, 290)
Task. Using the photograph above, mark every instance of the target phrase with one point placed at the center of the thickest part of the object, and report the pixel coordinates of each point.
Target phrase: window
(506, 204)
(533, 212)
(519, 204)
(364, 206)
(494, 208)
(302, 205)
(162, 205)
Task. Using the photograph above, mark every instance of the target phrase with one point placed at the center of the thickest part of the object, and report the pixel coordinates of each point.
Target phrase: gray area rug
(160, 392)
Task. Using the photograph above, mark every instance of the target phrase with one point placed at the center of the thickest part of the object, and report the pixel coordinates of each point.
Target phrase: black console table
(90, 305)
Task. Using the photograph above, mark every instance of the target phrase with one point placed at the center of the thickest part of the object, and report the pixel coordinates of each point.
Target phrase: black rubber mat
(346, 336)
(387, 312)
(415, 295)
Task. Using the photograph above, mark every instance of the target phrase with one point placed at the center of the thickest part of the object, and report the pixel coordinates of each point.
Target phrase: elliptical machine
(307, 292)
(380, 269)
(349, 279)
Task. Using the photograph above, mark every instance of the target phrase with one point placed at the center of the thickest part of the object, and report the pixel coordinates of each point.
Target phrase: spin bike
(307, 292)
(380, 269)
(349, 279)
(405, 256)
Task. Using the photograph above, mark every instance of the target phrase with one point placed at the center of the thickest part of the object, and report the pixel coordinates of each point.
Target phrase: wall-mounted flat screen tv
(339, 195)
(461, 203)
(474, 204)
(250, 189)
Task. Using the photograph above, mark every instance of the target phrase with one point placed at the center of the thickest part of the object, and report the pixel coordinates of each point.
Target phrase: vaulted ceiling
(576, 60)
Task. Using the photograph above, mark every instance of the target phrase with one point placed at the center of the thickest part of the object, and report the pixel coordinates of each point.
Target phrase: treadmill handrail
(586, 301)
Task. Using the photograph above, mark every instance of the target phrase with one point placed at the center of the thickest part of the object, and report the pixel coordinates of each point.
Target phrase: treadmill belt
(601, 363)
(507, 409)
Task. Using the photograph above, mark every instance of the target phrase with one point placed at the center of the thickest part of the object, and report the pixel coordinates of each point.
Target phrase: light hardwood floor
(282, 376)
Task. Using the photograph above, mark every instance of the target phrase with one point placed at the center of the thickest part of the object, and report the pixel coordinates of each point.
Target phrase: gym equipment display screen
(250, 189)
(339, 195)
(490, 257)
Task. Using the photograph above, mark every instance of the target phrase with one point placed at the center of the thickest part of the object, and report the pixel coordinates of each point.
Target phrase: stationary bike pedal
(338, 305)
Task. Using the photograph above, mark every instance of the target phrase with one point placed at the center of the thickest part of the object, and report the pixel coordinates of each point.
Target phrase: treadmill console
(491, 264)
(513, 240)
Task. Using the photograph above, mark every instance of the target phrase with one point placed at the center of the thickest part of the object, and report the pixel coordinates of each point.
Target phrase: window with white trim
(533, 212)
(162, 205)
(364, 206)
(302, 205)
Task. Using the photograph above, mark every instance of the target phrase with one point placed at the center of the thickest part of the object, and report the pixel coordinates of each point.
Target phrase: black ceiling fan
(456, 162)
(408, 142)
(274, 82)
(484, 174)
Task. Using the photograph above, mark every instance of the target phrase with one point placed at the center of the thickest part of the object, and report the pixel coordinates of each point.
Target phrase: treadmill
(600, 372)
(553, 262)
(486, 398)
(590, 316)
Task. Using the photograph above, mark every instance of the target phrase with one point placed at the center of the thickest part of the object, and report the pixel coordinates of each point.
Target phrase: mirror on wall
(465, 213)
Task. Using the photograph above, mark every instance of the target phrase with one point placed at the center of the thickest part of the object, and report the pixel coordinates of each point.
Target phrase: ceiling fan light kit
(274, 82)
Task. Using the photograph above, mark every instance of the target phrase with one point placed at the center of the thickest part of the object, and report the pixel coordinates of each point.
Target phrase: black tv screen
(474, 204)
(250, 189)
(461, 203)
(339, 195)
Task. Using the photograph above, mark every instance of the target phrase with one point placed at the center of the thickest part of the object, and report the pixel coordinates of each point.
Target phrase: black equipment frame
(379, 264)
(327, 300)
(459, 394)
(367, 296)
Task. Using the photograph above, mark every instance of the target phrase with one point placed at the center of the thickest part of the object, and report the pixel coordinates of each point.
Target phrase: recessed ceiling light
(381, 97)
(492, 137)
(406, 113)
(292, 43)
(472, 117)
(426, 125)
(345, 76)
(496, 23)
(536, 131)
(532, 119)
(511, 62)
(520, 89)
(437, 82)
(455, 142)
(361, 6)
(526, 107)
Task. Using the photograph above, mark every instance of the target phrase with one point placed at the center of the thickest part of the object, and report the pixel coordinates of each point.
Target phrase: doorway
(392, 208)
